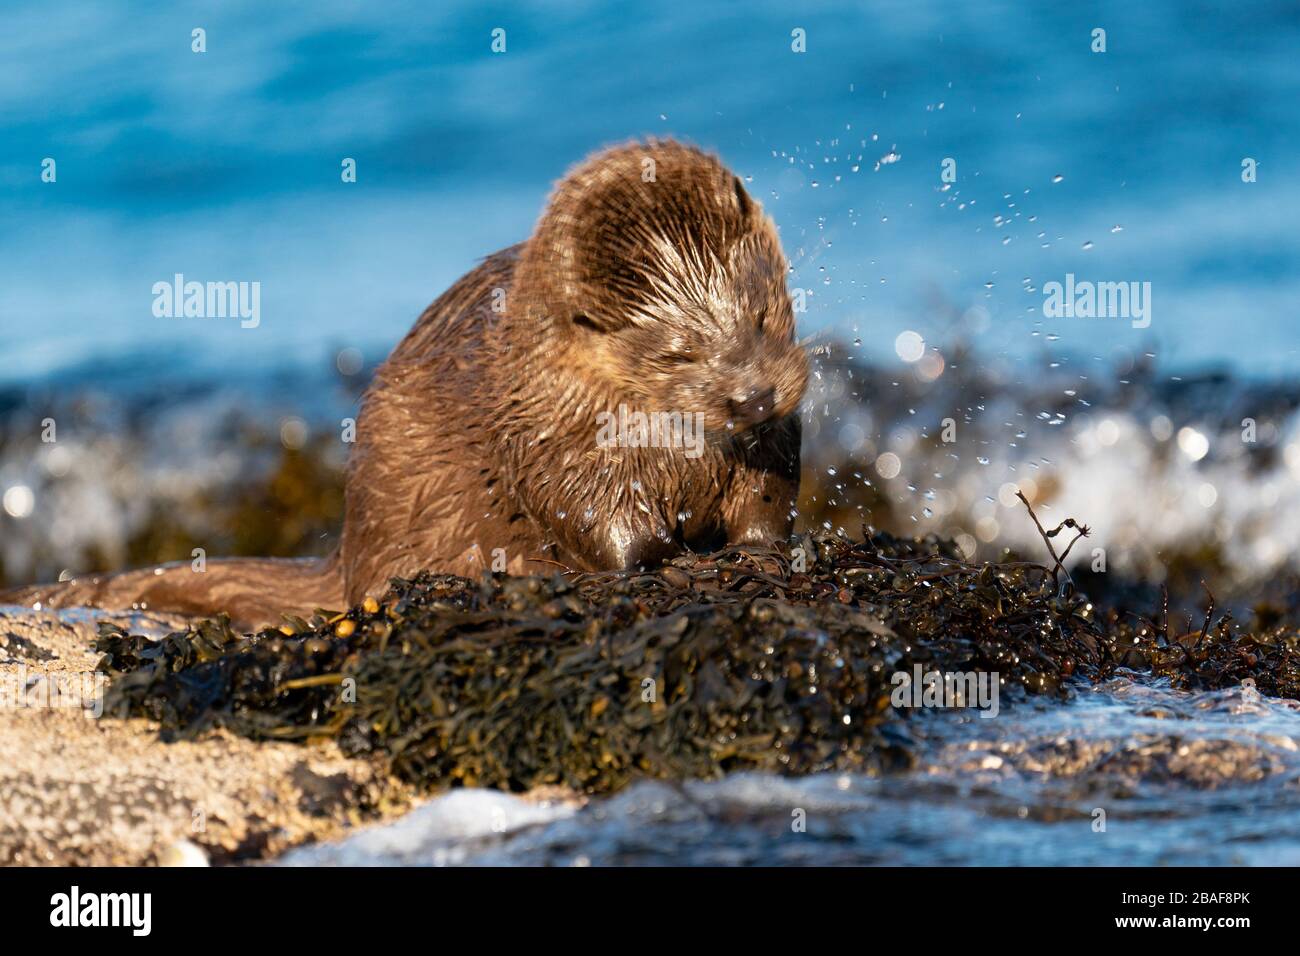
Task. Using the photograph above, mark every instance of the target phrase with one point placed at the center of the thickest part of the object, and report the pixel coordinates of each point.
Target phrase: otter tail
(253, 591)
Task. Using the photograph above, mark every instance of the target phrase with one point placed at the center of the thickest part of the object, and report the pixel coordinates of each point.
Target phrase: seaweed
(752, 658)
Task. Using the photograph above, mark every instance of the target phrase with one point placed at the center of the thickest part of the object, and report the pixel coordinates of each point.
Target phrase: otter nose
(757, 407)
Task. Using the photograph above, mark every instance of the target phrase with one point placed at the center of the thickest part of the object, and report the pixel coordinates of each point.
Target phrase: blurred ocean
(225, 165)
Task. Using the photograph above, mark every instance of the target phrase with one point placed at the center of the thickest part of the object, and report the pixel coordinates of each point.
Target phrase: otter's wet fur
(652, 281)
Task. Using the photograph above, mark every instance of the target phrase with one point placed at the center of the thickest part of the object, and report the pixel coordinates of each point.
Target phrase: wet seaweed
(751, 658)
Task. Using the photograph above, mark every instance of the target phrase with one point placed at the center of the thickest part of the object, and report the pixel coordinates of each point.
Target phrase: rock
(76, 790)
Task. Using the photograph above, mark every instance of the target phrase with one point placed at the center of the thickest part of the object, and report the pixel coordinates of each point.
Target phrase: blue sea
(225, 165)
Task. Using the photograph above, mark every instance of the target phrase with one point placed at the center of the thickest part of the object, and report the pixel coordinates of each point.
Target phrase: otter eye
(583, 320)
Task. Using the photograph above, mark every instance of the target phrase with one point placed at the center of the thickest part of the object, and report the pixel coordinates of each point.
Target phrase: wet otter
(652, 282)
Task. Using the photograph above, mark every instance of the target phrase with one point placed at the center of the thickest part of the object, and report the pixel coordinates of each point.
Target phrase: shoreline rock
(75, 790)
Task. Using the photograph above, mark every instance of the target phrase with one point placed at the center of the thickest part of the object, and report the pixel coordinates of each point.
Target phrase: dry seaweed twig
(1058, 562)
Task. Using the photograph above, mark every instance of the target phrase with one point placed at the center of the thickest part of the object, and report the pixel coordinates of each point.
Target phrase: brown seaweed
(715, 663)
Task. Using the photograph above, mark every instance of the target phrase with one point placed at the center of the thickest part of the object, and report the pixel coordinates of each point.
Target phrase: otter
(652, 282)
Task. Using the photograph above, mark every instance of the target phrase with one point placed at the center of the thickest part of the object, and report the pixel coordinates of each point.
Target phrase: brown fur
(479, 432)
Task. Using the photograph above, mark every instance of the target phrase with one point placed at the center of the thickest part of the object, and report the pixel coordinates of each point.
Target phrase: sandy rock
(75, 789)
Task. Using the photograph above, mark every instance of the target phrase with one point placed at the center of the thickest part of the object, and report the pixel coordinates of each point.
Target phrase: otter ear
(743, 202)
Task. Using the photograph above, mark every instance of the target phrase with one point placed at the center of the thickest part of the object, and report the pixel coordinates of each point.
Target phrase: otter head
(661, 279)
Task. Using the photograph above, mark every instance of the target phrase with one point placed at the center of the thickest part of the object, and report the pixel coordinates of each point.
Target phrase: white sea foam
(1155, 475)
(440, 832)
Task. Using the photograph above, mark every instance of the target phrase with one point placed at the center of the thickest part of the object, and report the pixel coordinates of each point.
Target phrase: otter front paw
(641, 549)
